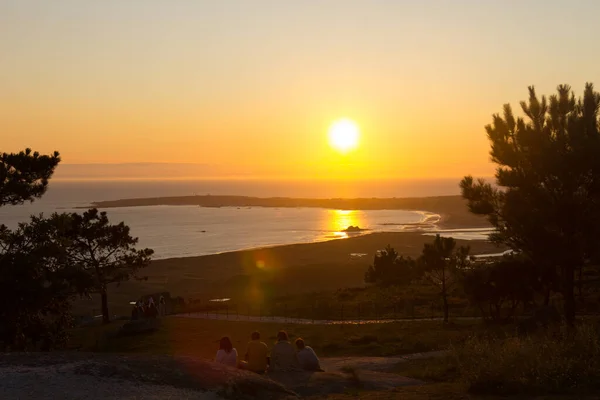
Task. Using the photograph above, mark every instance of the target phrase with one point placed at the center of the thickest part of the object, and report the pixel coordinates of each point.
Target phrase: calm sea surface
(183, 231)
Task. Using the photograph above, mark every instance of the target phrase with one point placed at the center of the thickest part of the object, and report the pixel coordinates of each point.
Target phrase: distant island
(453, 209)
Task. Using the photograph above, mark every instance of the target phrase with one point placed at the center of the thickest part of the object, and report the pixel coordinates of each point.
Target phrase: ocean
(185, 231)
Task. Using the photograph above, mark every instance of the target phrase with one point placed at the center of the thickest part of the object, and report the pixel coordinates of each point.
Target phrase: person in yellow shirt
(256, 355)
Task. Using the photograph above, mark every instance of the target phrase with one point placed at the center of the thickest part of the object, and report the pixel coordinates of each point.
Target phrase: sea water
(184, 231)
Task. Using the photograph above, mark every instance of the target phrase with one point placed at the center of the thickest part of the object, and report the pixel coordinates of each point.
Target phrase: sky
(250, 87)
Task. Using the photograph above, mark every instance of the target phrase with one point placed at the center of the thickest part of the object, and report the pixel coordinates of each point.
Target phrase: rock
(70, 375)
(352, 228)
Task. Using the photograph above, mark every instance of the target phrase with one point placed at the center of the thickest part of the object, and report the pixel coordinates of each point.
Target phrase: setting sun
(343, 135)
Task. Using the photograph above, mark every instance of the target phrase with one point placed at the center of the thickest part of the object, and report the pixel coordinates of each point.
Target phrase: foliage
(24, 176)
(389, 268)
(34, 290)
(441, 261)
(37, 284)
(547, 200)
(196, 337)
(105, 252)
(556, 362)
(510, 281)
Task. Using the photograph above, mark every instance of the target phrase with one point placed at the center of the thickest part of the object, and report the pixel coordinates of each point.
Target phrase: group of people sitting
(283, 357)
(148, 309)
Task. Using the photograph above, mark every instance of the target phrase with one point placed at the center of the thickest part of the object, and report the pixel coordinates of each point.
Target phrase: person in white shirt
(306, 357)
(227, 354)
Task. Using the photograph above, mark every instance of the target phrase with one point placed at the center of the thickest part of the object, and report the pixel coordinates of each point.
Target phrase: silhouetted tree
(501, 284)
(441, 261)
(34, 288)
(24, 176)
(547, 201)
(105, 252)
(389, 268)
(37, 283)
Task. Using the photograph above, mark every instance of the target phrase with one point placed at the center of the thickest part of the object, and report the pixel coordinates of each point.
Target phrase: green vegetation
(24, 176)
(557, 361)
(48, 262)
(200, 338)
(105, 252)
(546, 205)
(441, 262)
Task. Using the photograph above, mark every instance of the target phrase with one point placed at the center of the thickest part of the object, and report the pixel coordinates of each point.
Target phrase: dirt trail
(375, 364)
(303, 321)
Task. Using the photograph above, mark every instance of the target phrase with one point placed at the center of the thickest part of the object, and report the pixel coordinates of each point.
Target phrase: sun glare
(343, 135)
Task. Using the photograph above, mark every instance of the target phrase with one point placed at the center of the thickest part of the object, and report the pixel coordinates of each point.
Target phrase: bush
(363, 340)
(557, 361)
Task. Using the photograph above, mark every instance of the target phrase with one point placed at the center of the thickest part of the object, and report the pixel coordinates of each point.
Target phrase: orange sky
(252, 86)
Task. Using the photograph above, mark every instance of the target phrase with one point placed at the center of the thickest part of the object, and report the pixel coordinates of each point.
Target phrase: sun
(343, 135)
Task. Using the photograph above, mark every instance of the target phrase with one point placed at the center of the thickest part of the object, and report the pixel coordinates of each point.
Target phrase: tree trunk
(547, 297)
(445, 301)
(580, 284)
(569, 294)
(104, 296)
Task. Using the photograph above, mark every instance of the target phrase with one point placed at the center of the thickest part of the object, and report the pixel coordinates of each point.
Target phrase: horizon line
(259, 178)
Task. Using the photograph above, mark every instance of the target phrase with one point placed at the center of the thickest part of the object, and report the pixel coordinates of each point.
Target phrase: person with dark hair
(227, 354)
(256, 359)
(283, 355)
(307, 357)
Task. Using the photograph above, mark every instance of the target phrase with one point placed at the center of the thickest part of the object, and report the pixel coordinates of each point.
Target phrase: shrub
(363, 340)
(559, 361)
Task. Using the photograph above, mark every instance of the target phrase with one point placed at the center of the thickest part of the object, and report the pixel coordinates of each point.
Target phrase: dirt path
(375, 364)
(342, 373)
(302, 321)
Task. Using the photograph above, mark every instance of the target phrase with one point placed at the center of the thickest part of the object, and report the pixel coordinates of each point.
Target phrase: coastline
(452, 210)
(291, 269)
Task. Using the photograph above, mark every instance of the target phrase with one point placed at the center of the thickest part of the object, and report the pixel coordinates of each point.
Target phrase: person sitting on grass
(283, 355)
(256, 359)
(306, 357)
(227, 354)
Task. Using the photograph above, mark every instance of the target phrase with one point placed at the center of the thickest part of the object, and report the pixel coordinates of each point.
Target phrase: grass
(431, 370)
(196, 337)
(482, 363)
(557, 361)
(433, 392)
(261, 275)
(417, 300)
(438, 391)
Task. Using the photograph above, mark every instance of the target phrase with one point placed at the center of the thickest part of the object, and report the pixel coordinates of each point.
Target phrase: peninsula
(452, 209)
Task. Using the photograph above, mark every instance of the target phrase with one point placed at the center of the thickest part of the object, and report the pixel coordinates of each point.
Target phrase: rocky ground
(107, 376)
